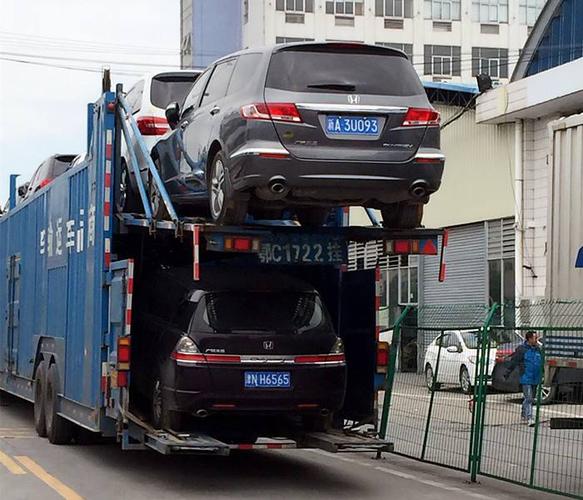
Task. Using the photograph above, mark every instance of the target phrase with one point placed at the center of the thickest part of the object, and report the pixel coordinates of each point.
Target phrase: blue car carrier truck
(71, 264)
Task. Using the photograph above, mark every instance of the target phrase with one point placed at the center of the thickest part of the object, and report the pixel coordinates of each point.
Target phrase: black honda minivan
(235, 343)
(304, 127)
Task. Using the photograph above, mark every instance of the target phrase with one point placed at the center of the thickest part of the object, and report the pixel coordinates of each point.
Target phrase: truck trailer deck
(72, 263)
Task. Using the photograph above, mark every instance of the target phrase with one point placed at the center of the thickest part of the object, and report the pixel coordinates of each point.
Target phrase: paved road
(32, 468)
(507, 445)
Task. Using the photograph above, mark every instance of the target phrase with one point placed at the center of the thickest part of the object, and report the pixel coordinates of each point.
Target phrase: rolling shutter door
(466, 271)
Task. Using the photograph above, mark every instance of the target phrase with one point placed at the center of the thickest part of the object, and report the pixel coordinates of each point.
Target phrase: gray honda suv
(303, 127)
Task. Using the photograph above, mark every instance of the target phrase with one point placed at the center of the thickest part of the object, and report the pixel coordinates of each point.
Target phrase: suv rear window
(167, 89)
(331, 71)
(244, 312)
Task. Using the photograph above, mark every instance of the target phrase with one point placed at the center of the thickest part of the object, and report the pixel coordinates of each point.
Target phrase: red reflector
(275, 156)
(402, 246)
(428, 247)
(305, 406)
(277, 111)
(222, 358)
(44, 182)
(181, 356)
(242, 244)
(122, 378)
(152, 125)
(245, 446)
(420, 117)
(123, 350)
(428, 160)
(552, 362)
(223, 406)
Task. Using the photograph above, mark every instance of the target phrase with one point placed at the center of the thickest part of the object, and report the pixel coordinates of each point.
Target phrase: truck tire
(227, 207)
(59, 429)
(402, 215)
(127, 198)
(40, 381)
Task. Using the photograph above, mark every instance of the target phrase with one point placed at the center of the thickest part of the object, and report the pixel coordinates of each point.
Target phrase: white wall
(265, 24)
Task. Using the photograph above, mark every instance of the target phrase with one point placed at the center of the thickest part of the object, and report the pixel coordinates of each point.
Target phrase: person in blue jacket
(529, 360)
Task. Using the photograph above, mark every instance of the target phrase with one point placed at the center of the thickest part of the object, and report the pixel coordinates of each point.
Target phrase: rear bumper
(219, 389)
(337, 183)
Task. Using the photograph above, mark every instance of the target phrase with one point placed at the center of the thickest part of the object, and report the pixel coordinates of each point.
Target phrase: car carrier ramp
(340, 442)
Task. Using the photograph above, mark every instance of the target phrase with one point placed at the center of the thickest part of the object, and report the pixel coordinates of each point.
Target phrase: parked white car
(457, 360)
(148, 100)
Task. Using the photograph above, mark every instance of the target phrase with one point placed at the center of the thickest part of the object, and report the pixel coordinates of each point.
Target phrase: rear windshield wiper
(333, 86)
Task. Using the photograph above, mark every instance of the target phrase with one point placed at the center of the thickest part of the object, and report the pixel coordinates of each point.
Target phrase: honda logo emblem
(353, 99)
(268, 345)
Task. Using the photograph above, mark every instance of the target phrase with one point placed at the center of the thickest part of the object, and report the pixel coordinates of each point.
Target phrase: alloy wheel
(218, 189)
(429, 377)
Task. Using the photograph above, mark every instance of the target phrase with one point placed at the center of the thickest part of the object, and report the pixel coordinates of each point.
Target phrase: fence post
(392, 366)
(537, 418)
(480, 388)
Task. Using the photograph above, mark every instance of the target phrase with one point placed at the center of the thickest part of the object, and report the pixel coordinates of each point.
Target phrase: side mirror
(173, 114)
(453, 348)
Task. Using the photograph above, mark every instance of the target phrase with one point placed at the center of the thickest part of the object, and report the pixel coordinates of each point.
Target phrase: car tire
(312, 217)
(465, 381)
(159, 210)
(402, 215)
(127, 201)
(317, 423)
(40, 379)
(162, 418)
(548, 394)
(59, 429)
(429, 379)
(227, 207)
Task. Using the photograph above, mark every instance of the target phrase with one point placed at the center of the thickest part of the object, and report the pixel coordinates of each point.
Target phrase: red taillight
(122, 378)
(320, 358)
(277, 111)
(123, 353)
(241, 244)
(152, 125)
(44, 182)
(382, 356)
(420, 117)
(205, 358)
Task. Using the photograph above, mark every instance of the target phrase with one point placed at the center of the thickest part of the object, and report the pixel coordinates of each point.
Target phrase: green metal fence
(462, 407)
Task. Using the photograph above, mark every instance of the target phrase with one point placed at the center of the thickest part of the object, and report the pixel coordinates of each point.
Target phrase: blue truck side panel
(52, 248)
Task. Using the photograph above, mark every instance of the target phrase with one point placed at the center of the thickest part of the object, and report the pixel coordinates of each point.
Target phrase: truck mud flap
(339, 442)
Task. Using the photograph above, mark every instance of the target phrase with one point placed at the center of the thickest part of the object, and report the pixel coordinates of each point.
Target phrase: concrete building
(446, 40)
(546, 86)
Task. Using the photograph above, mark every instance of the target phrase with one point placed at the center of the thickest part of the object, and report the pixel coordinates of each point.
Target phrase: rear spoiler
(341, 47)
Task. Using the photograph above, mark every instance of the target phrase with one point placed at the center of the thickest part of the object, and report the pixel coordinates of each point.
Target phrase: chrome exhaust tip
(419, 190)
(202, 413)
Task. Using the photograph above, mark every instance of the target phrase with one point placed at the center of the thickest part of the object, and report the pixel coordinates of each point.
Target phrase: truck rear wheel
(40, 380)
(59, 429)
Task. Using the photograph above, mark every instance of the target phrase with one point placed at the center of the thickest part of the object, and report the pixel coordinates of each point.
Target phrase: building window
(394, 8)
(291, 39)
(295, 5)
(501, 243)
(442, 60)
(345, 7)
(490, 11)
(405, 47)
(529, 10)
(399, 287)
(493, 62)
(445, 10)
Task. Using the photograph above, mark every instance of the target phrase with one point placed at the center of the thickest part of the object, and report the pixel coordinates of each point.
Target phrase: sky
(42, 108)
